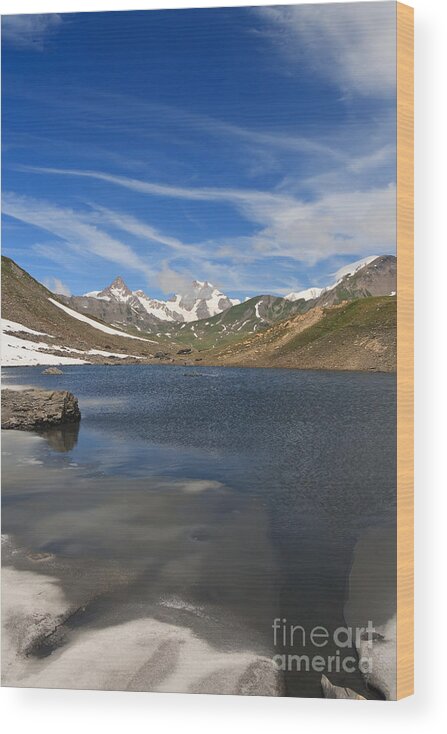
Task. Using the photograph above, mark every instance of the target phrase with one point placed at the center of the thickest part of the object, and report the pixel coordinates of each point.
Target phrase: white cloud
(346, 222)
(143, 118)
(74, 229)
(353, 44)
(279, 140)
(170, 281)
(66, 258)
(29, 31)
(237, 197)
(134, 226)
(57, 286)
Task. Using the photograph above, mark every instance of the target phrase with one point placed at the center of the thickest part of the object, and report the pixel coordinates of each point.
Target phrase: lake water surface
(212, 499)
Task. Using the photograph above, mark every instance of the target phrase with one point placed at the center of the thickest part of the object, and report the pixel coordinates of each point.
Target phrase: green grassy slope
(356, 335)
(235, 323)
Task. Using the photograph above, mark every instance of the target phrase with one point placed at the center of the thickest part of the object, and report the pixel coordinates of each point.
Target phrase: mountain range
(119, 305)
(209, 312)
(116, 324)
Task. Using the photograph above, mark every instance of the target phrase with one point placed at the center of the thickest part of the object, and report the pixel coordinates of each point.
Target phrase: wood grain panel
(405, 305)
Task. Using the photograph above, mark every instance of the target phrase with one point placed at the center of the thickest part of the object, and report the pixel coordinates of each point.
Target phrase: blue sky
(251, 147)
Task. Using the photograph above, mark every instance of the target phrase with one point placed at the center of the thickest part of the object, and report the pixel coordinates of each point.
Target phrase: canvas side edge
(405, 350)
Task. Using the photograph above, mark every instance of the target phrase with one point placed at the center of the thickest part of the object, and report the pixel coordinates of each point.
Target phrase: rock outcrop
(34, 409)
(52, 371)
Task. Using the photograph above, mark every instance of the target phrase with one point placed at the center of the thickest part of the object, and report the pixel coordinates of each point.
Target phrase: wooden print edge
(405, 350)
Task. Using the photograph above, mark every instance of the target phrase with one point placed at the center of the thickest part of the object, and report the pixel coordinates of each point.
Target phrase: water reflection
(61, 438)
(185, 552)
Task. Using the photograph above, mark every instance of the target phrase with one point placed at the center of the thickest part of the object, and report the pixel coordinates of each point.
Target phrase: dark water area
(219, 498)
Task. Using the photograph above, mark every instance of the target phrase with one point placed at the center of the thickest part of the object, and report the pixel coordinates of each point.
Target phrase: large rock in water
(27, 409)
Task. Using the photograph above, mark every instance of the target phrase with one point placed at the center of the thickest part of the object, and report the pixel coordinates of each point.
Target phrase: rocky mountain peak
(200, 299)
(118, 283)
(117, 290)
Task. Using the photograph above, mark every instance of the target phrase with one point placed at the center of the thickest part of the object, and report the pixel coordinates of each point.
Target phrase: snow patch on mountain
(156, 308)
(8, 325)
(307, 295)
(95, 324)
(352, 268)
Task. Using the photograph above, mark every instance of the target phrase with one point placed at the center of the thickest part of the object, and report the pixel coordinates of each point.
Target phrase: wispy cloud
(134, 226)
(286, 142)
(29, 31)
(258, 196)
(349, 222)
(345, 223)
(171, 281)
(74, 229)
(352, 44)
(234, 196)
(148, 120)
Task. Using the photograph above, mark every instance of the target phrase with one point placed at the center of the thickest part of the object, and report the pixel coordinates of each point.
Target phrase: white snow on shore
(25, 353)
(95, 324)
(137, 655)
(18, 352)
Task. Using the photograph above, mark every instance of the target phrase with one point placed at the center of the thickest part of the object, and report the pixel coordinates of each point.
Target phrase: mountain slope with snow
(309, 294)
(370, 276)
(38, 329)
(202, 301)
(117, 321)
(117, 304)
(237, 322)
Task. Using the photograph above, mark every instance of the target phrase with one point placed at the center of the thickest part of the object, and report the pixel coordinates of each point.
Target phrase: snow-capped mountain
(41, 328)
(373, 276)
(120, 307)
(354, 267)
(307, 295)
(202, 300)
